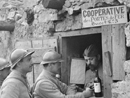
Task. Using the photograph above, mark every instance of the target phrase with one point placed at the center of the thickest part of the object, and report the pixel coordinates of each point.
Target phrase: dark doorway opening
(73, 47)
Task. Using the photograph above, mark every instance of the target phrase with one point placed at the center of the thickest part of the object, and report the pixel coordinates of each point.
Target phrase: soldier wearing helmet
(93, 62)
(48, 86)
(4, 69)
(16, 85)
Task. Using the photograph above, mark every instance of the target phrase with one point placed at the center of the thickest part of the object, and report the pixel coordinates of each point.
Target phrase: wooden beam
(65, 64)
(7, 26)
(119, 51)
(79, 32)
(107, 48)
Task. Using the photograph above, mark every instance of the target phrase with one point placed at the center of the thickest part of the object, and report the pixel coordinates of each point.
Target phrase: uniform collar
(49, 73)
(17, 74)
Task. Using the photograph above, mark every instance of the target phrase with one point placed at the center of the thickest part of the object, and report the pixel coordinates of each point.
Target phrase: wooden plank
(106, 47)
(64, 66)
(77, 71)
(119, 51)
(79, 32)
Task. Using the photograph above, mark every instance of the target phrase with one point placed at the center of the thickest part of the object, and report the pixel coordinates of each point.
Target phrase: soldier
(16, 85)
(4, 70)
(93, 61)
(48, 86)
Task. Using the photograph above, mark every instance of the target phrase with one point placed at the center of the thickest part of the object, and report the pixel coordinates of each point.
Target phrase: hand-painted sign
(104, 16)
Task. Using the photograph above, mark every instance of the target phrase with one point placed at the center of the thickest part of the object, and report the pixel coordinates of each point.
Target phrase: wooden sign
(77, 73)
(104, 16)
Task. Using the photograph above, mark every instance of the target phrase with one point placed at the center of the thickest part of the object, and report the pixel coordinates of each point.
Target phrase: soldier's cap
(51, 57)
(17, 55)
(91, 51)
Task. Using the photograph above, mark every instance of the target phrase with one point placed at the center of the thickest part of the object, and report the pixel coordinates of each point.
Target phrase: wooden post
(119, 51)
(7, 26)
(65, 66)
(106, 48)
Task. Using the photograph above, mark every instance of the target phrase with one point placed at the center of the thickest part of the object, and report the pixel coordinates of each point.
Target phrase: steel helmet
(17, 55)
(91, 51)
(51, 57)
(3, 63)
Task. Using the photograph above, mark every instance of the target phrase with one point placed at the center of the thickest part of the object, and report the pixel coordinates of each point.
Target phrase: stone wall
(46, 21)
(12, 11)
(122, 89)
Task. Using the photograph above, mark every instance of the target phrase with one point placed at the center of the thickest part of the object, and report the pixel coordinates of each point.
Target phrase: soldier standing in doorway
(93, 61)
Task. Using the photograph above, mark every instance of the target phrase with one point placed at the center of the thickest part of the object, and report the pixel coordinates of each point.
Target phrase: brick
(37, 43)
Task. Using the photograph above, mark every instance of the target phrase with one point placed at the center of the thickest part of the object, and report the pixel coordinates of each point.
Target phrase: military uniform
(15, 86)
(47, 86)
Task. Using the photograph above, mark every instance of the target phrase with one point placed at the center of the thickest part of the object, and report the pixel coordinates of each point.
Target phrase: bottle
(97, 86)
